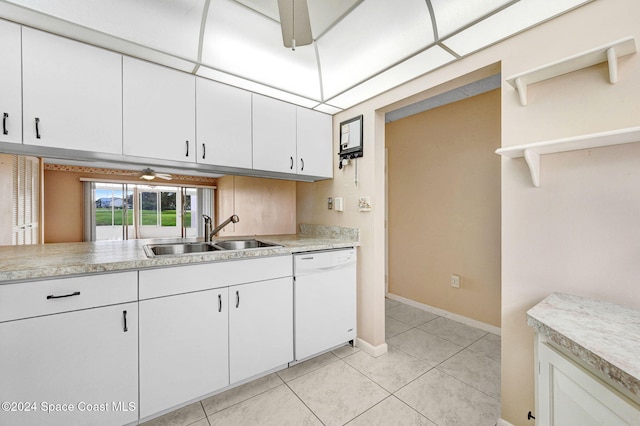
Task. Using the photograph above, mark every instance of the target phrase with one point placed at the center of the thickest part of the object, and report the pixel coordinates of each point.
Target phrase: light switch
(338, 204)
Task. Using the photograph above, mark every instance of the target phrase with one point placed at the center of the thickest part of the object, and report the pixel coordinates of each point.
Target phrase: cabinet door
(10, 83)
(183, 348)
(314, 143)
(85, 361)
(274, 135)
(158, 111)
(569, 395)
(72, 94)
(260, 327)
(223, 124)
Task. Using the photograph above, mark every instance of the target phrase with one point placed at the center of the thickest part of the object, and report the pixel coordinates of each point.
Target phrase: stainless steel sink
(153, 250)
(243, 244)
(178, 249)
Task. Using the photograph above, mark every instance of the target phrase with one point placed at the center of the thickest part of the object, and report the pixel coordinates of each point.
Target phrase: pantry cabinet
(183, 348)
(72, 94)
(10, 83)
(313, 142)
(158, 112)
(274, 135)
(260, 327)
(223, 124)
(82, 365)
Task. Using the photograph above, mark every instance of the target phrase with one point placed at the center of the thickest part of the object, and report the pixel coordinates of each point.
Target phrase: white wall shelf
(609, 52)
(531, 152)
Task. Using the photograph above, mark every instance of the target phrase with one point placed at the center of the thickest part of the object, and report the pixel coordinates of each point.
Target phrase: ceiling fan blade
(294, 20)
(164, 176)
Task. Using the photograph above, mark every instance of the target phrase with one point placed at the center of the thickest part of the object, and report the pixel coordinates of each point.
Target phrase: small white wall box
(350, 139)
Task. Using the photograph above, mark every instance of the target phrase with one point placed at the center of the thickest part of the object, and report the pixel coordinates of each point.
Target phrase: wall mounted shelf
(532, 152)
(608, 53)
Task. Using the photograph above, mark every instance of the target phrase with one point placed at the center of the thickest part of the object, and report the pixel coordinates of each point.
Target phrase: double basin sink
(175, 249)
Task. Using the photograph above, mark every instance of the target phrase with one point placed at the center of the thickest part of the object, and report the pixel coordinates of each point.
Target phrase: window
(121, 211)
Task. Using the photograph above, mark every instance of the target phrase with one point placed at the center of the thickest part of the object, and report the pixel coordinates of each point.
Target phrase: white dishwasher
(325, 300)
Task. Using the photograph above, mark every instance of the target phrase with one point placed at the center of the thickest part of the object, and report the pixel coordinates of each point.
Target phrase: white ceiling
(361, 47)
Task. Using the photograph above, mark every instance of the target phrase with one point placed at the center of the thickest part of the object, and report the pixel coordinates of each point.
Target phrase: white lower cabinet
(74, 368)
(260, 327)
(568, 395)
(183, 348)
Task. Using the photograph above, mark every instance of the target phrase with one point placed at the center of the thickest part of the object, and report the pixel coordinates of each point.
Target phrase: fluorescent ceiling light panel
(376, 34)
(251, 86)
(328, 109)
(167, 25)
(515, 18)
(426, 61)
(244, 43)
(454, 15)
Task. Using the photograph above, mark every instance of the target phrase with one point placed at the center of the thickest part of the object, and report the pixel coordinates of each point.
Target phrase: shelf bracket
(522, 91)
(612, 58)
(533, 161)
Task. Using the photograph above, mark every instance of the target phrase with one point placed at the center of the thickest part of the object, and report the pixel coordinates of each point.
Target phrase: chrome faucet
(208, 235)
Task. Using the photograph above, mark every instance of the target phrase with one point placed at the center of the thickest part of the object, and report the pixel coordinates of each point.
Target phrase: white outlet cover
(364, 204)
(338, 204)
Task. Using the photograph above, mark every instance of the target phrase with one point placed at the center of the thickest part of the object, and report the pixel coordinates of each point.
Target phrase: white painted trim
(465, 320)
(374, 351)
(502, 422)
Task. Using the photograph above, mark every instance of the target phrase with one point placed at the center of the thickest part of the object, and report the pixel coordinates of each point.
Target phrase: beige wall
(577, 233)
(264, 206)
(444, 207)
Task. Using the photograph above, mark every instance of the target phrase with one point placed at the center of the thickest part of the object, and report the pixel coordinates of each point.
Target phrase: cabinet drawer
(35, 298)
(185, 279)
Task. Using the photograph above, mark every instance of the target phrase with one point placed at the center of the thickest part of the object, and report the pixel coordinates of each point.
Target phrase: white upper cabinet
(72, 94)
(274, 135)
(158, 112)
(10, 83)
(223, 124)
(314, 143)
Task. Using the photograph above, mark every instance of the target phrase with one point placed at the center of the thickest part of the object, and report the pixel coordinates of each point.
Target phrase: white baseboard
(502, 422)
(465, 320)
(374, 351)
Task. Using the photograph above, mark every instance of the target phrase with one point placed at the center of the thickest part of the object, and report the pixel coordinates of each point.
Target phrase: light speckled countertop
(56, 260)
(603, 335)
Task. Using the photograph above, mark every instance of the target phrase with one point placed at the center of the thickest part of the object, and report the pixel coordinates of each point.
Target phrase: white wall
(577, 233)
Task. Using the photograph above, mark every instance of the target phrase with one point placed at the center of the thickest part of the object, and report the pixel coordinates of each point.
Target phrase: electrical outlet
(455, 281)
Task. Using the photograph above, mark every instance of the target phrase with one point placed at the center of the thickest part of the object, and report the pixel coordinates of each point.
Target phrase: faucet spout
(234, 219)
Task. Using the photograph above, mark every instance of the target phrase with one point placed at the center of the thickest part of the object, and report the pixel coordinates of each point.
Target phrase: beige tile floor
(436, 372)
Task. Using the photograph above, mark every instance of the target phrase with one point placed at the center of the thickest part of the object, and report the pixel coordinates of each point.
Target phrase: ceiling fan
(149, 174)
(294, 20)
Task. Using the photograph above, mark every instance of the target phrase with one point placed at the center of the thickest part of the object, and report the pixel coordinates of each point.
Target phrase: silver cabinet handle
(291, 166)
(37, 128)
(237, 299)
(204, 151)
(124, 317)
(4, 123)
(219, 303)
(301, 164)
(187, 143)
